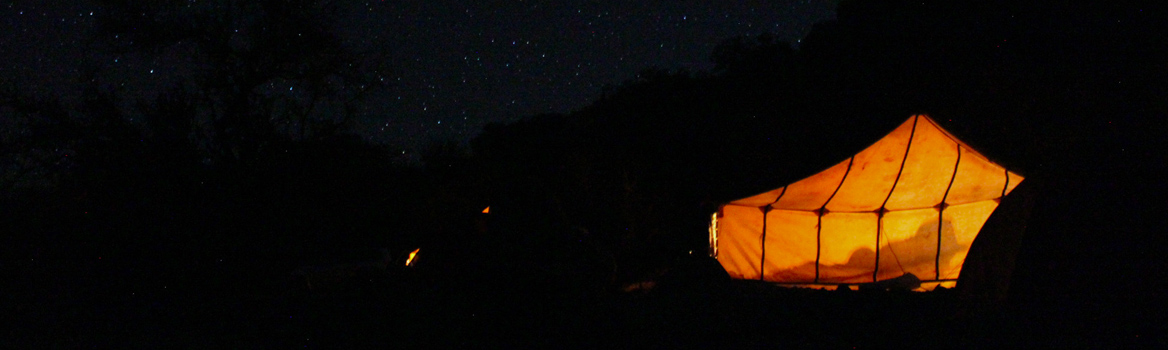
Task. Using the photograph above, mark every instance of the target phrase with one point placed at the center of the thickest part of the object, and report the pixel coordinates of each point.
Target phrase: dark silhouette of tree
(247, 159)
(273, 69)
(746, 58)
(32, 143)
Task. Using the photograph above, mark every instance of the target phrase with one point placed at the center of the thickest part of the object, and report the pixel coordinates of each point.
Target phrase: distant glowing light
(413, 254)
(487, 210)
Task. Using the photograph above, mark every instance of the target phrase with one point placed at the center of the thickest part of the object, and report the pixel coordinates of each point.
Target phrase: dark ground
(416, 308)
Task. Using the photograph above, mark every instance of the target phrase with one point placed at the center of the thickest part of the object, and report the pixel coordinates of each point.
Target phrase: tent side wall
(844, 244)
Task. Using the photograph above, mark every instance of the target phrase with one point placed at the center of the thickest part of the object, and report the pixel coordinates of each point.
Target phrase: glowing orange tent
(913, 202)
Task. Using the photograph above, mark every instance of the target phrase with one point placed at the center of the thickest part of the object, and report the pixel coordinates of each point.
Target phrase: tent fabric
(913, 202)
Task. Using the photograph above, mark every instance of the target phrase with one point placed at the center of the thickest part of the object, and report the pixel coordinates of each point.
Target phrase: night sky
(455, 65)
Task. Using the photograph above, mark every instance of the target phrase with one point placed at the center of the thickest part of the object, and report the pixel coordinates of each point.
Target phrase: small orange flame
(487, 210)
(410, 260)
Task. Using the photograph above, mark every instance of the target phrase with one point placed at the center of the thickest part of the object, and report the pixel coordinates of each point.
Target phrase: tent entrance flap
(911, 203)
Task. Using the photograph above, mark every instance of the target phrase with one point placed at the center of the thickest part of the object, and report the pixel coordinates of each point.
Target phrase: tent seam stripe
(1007, 184)
(856, 211)
(950, 136)
(762, 243)
(941, 214)
(819, 220)
(944, 132)
(880, 219)
(855, 284)
(762, 258)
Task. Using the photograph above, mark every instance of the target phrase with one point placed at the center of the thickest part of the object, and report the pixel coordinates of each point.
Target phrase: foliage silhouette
(273, 69)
